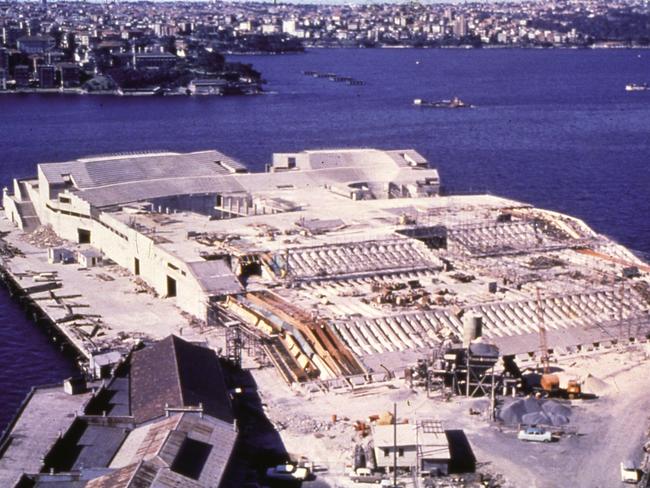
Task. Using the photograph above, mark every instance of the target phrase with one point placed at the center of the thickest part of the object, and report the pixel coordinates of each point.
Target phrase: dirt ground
(602, 432)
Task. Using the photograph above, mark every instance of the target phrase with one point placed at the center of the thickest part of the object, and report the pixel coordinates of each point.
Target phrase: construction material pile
(44, 237)
(531, 411)
(595, 386)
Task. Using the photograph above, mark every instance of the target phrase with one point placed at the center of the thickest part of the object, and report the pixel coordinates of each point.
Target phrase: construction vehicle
(573, 390)
(560, 385)
(550, 383)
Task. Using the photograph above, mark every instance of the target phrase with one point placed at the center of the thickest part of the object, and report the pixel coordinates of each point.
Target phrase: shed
(101, 365)
(424, 443)
(60, 255)
(89, 258)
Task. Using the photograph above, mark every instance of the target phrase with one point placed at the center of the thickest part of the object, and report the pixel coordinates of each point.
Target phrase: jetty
(337, 265)
(340, 280)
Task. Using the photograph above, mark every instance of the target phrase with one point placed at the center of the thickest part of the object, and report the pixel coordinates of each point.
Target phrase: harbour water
(551, 127)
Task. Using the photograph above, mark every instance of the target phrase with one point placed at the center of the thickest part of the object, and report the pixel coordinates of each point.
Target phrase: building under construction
(340, 265)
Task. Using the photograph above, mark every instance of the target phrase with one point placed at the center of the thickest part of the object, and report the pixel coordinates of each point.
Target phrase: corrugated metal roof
(176, 373)
(115, 170)
(163, 454)
(215, 277)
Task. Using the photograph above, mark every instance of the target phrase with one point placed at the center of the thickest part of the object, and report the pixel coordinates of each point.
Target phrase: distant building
(460, 26)
(207, 87)
(46, 76)
(154, 60)
(269, 29)
(4, 58)
(11, 34)
(22, 75)
(70, 75)
(35, 44)
(289, 27)
(3, 79)
(53, 57)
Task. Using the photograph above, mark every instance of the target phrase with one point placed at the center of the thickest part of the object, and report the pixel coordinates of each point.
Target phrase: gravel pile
(533, 411)
(304, 425)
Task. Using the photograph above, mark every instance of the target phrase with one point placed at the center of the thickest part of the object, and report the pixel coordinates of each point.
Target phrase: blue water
(552, 127)
(27, 358)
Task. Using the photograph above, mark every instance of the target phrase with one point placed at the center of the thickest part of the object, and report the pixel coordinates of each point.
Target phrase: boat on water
(453, 103)
(637, 87)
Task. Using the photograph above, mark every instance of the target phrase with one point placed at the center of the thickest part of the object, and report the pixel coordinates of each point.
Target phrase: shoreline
(143, 93)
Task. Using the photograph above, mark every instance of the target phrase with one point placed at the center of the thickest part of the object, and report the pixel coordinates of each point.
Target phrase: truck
(629, 472)
(534, 434)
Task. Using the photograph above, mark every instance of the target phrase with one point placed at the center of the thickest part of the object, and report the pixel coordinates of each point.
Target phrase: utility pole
(394, 444)
(543, 343)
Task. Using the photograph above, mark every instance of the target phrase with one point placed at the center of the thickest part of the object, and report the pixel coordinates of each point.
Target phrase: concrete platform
(46, 414)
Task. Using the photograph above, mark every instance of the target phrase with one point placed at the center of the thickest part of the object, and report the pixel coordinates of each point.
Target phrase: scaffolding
(470, 371)
(239, 338)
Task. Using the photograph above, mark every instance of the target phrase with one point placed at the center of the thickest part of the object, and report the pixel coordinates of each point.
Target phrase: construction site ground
(603, 431)
(123, 306)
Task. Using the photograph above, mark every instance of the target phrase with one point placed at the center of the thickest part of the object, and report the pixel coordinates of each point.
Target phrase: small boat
(453, 103)
(637, 87)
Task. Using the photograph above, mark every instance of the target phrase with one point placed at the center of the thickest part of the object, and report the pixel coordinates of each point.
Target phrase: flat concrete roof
(48, 413)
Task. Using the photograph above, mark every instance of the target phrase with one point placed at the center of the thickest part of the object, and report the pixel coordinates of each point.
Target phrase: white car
(535, 434)
(287, 472)
(629, 472)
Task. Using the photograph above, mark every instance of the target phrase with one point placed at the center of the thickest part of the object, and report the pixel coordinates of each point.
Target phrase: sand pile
(533, 411)
(594, 386)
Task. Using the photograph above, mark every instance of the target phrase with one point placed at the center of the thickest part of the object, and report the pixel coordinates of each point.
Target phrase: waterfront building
(164, 418)
(94, 200)
(3, 79)
(343, 261)
(154, 60)
(207, 87)
(69, 75)
(22, 75)
(46, 76)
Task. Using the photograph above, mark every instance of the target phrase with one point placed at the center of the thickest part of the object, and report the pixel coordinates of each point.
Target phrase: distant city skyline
(177, 46)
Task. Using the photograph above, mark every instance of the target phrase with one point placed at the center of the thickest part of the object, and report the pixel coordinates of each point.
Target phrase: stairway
(28, 217)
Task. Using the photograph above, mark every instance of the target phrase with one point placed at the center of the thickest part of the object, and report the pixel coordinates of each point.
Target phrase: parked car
(535, 434)
(287, 472)
(365, 475)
